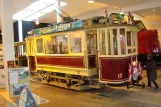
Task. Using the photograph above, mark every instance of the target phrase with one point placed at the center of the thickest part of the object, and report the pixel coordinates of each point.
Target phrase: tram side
(65, 59)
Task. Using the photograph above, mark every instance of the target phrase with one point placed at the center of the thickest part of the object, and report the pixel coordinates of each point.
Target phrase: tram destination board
(58, 28)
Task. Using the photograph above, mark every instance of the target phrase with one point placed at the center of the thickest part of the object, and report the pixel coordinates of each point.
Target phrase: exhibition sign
(10, 64)
(19, 78)
(60, 27)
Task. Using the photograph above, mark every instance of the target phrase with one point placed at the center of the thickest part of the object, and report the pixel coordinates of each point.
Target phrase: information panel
(19, 78)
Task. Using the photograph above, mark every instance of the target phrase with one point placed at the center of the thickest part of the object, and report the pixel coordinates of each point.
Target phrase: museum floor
(107, 97)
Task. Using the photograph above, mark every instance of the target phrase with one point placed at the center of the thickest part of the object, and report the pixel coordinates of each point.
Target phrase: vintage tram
(83, 54)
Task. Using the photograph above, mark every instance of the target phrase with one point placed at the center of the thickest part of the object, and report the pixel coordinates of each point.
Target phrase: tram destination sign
(58, 28)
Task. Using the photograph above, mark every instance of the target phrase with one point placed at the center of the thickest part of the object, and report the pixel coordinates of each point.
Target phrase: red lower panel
(61, 61)
(32, 63)
(114, 69)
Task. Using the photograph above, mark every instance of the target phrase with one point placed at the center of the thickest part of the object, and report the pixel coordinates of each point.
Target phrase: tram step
(97, 86)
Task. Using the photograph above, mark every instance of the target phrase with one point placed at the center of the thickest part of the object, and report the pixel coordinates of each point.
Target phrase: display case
(20, 54)
(2, 73)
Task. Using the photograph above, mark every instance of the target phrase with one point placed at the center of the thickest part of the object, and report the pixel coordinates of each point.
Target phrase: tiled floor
(107, 97)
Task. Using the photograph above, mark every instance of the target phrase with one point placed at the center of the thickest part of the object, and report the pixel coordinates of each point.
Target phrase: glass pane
(16, 51)
(122, 41)
(109, 42)
(22, 50)
(76, 44)
(91, 42)
(102, 43)
(57, 44)
(39, 43)
(130, 39)
(115, 47)
(131, 50)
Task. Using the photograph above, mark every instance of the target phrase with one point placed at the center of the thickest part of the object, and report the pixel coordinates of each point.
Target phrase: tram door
(116, 46)
(31, 54)
(91, 41)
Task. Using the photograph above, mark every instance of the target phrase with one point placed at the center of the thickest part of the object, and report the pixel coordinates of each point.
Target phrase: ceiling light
(22, 14)
(62, 3)
(37, 22)
(90, 1)
(153, 10)
(34, 16)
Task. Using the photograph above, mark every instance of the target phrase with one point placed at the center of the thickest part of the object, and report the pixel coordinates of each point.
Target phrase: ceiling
(125, 3)
(77, 7)
(150, 14)
(73, 8)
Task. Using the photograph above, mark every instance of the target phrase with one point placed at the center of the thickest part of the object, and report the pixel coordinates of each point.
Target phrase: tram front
(116, 45)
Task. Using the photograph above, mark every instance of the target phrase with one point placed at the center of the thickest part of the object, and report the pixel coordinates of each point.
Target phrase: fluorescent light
(62, 3)
(22, 14)
(40, 8)
(36, 6)
(48, 2)
(90, 1)
(34, 16)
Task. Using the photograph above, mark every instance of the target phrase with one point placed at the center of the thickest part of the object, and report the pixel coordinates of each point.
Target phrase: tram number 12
(120, 75)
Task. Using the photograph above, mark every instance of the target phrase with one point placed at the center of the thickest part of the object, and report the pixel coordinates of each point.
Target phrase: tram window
(115, 47)
(62, 44)
(91, 43)
(76, 43)
(122, 41)
(39, 43)
(57, 44)
(16, 51)
(102, 43)
(22, 50)
(130, 39)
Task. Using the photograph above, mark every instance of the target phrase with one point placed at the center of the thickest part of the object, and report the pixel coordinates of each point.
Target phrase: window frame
(43, 44)
(132, 29)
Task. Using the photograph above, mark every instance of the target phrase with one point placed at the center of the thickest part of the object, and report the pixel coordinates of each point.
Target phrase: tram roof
(79, 26)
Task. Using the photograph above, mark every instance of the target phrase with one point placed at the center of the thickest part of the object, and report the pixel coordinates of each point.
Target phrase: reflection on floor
(107, 97)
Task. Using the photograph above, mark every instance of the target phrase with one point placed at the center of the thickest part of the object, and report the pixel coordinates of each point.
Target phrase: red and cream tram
(116, 46)
(81, 55)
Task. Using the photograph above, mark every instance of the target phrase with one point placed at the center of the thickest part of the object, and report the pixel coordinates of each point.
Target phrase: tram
(83, 54)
